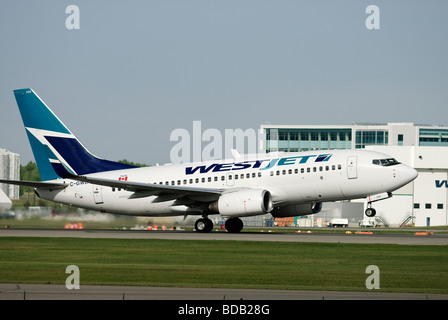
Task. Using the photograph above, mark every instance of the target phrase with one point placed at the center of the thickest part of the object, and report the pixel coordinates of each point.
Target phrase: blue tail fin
(55, 148)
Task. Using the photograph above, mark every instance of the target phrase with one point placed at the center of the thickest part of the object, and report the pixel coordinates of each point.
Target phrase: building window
(427, 206)
(433, 137)
(371, 137)
(416, 205)
(400, 139)
(440, 206)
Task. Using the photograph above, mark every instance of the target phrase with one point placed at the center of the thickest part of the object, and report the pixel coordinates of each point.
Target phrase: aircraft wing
(36, 184)
(146, 189)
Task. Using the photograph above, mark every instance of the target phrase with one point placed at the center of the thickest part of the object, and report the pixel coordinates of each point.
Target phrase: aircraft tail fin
(55, 148)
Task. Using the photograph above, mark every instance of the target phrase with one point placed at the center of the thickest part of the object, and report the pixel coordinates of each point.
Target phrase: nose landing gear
(370, 212)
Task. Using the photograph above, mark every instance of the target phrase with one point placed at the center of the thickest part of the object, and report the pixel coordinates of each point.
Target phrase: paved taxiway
(399, 238)
(90, 292)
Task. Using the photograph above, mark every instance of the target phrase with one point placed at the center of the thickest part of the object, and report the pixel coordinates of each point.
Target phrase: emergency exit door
(352, 167)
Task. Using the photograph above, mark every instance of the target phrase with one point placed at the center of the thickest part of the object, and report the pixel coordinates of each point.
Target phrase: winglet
(235, 154)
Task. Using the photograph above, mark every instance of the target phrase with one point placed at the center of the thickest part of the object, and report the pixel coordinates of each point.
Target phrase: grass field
(231, 264)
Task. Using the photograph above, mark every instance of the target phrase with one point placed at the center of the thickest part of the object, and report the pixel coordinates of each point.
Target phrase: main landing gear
(234, 225)
(205, 225)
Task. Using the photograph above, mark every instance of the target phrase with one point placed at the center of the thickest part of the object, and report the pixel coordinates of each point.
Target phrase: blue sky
(137, 70)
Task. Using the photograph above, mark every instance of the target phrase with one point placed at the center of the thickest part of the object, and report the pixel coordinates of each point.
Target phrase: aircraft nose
(407, 173)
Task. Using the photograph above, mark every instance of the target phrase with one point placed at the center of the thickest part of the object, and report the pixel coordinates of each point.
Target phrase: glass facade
(433, 137)
(294, 140)
(371, 137)
(298, 138)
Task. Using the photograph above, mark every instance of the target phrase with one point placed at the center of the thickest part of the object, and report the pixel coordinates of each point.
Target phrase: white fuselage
(291, 178)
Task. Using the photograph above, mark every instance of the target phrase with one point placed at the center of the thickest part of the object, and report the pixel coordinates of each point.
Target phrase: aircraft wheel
(370, 212)
(203, 225)
(234, 225)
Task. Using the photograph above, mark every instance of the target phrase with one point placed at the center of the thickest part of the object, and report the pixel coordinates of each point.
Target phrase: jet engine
(297, 210)
(248, 202)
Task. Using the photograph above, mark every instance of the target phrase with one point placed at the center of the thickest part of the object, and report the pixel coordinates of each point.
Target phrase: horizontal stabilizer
(36, 184)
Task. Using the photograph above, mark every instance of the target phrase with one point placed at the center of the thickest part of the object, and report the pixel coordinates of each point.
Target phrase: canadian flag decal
(123, 178)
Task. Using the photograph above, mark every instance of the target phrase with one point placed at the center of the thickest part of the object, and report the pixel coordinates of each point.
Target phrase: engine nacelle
(297, 210)
(242, 203)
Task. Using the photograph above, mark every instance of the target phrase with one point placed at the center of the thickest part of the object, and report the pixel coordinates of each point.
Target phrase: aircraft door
(97, 194)
(352, 167)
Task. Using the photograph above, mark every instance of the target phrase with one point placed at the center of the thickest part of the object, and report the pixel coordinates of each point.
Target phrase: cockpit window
(385, 162)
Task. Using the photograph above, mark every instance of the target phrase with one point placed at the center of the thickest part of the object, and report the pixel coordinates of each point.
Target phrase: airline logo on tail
(56, 150)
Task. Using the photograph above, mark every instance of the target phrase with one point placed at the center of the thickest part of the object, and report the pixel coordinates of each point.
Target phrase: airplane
(282, 184)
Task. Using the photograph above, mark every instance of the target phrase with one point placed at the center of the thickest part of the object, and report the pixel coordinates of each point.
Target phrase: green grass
(230, 264)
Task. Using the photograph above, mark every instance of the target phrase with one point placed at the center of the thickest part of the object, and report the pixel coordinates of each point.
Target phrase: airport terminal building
(423, 202)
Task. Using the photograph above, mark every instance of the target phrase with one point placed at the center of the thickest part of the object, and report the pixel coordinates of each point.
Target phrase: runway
(398, 238)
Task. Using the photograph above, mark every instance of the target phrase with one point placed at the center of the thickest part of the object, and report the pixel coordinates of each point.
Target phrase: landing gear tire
(370, 212)
(234, 225)
(203, 225)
